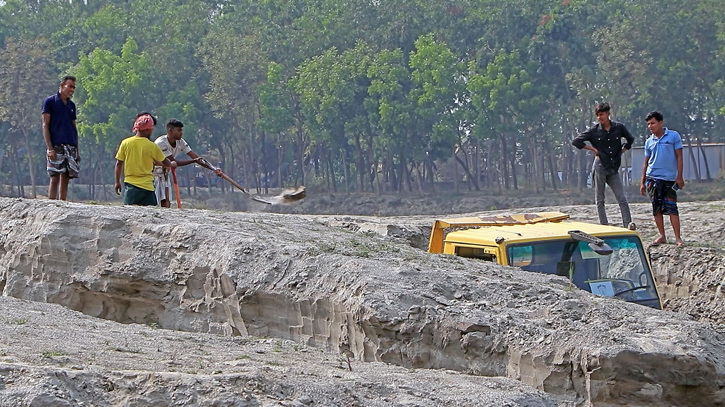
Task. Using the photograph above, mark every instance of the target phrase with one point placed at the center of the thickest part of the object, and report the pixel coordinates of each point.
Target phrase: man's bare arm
(117, 184)
(46, 135)
(205, 163)
(194, 158)
(680, 181)
(78, 150)
(642, 189)
(168, 163)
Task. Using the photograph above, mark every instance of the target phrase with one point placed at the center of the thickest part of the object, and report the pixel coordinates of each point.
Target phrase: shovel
(286, 197)
(176, 188)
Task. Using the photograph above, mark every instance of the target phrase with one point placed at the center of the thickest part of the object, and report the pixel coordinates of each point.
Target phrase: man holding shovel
(172, 144)
(135, 158)
(288, 196)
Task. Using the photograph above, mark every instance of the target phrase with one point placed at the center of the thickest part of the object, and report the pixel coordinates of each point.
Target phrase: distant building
(713, 153)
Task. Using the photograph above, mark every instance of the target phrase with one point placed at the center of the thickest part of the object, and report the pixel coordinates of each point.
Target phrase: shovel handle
(176, 188)
(203, 161)
(231, 181)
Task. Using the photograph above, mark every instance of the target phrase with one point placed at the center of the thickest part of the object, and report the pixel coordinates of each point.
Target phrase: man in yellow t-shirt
(135, 157)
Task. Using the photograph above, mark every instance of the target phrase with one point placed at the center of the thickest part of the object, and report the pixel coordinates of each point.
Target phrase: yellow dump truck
(604, 260)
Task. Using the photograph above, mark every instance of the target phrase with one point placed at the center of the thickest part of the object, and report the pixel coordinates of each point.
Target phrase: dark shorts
(133, 195)
(662, 196)
(66, 161)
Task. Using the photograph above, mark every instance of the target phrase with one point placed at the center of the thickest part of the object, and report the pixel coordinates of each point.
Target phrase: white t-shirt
(163, 142)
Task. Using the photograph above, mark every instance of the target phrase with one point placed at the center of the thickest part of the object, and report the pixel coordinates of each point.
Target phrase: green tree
(391, 112)
(332, 89)
(237, 67)
(27, 73)
(508, 100)
(277, 117)
(440, 95)
(112, 90)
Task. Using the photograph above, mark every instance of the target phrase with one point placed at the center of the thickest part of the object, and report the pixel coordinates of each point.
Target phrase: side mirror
(596, 244)
(602, 249)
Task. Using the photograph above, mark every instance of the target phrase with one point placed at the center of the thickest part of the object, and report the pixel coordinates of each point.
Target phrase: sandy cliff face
(362, 295)
(51, 356)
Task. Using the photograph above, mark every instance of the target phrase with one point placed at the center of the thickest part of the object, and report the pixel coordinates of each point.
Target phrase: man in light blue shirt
(662, 175)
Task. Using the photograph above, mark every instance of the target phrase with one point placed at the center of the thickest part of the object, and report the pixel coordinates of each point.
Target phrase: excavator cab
(604, 260)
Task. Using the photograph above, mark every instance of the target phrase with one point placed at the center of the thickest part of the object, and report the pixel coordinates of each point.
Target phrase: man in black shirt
(605, 138)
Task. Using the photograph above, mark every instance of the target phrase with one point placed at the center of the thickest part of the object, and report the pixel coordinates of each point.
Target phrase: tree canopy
(390, 96)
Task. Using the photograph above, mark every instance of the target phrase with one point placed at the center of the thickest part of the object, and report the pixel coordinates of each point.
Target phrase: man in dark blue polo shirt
(605, 138)
(61, 138)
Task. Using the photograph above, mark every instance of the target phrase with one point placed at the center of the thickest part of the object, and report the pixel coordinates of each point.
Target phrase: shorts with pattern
(66, 161)
(662, 196)
(161, 183)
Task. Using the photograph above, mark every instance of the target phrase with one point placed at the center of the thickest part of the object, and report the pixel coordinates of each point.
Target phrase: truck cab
(604, 260)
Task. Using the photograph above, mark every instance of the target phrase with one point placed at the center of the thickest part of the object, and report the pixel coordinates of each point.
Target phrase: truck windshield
(623, 274)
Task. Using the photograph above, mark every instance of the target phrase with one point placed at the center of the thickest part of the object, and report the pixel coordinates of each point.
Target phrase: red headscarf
(143, 122)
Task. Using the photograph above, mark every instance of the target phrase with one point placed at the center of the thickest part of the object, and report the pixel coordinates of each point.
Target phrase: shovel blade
(286, 197)
(295, 194)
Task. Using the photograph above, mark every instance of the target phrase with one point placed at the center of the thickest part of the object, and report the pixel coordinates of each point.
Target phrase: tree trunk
(3, 153)
(513, 171)
(539, 151)
(252, 158)
(93, 174)
(16, 173)
(232, 162)
(102, 171)
(583, 175)
(263, 152)
(96, 176)
(504, 165)
(552, 168)
(708, 176)
(455, 171)
(534, 166)
(488, 166)
(403, 175)
(301, 147)
(373, 161)
(406, 172)
(321, 168)
(331, 166)
(31, 167)
(391, 174)
(514, 177)
(377, 184)
(345, 172)
(280, 155)
(190, 182)
(477, 163)
(360, 162)
(473, 180)
(693, 160)
(419, 177)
